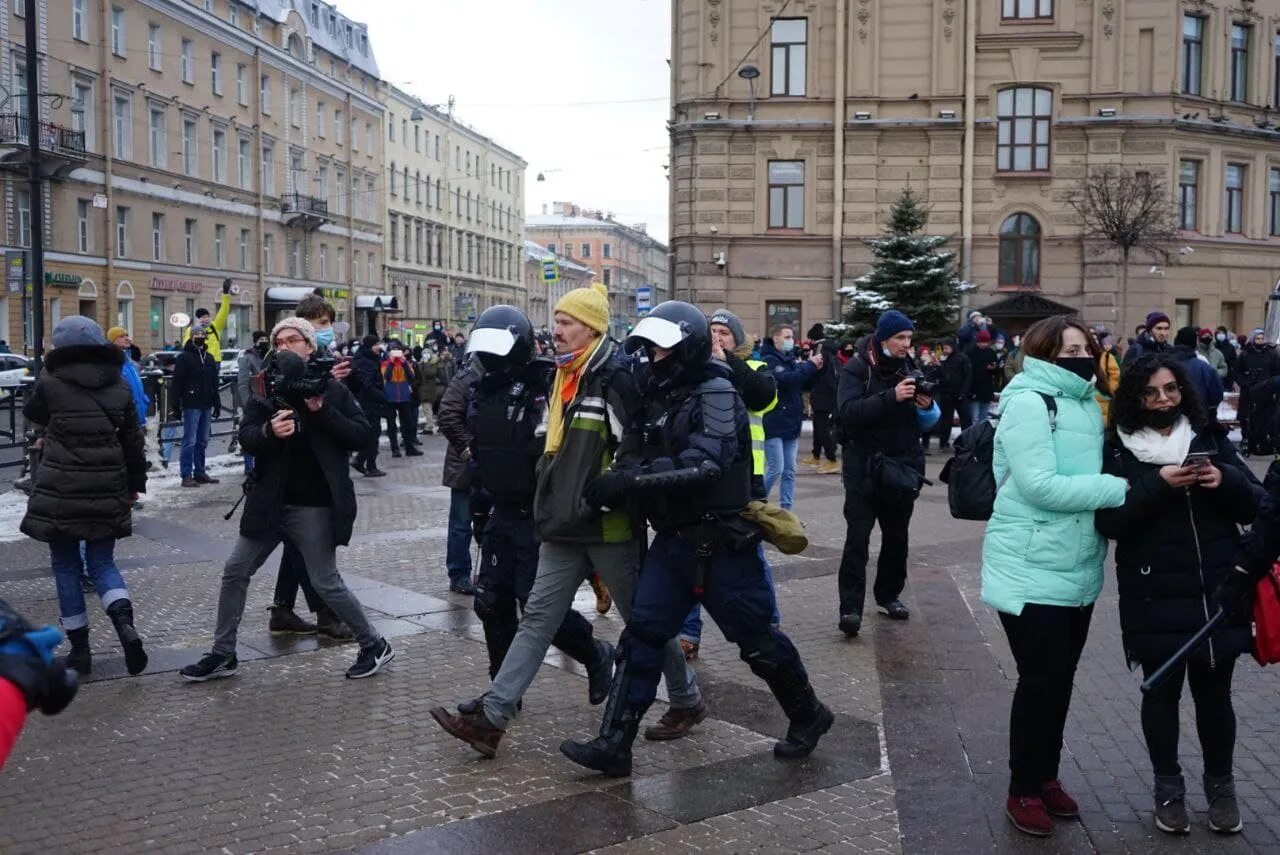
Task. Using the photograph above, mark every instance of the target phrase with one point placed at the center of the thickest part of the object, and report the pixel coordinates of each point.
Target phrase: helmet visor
(658, 331)
(488, 340)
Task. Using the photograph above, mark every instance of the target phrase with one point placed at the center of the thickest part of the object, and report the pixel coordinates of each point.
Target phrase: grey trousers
(310, 530)
(562, 568)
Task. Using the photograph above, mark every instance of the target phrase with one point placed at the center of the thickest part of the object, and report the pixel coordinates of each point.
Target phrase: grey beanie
(733, 322)
(77, 330)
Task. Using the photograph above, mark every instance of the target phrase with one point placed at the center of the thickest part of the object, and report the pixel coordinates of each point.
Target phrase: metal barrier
(159, 385)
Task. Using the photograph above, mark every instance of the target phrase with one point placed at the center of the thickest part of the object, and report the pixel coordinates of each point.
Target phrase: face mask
(998, 345)
(324, 338)
(199, 343)
(1081, 366)
(1206, 341)
(1161, 419)
(262, 347)
(1221, 336)
(788, 345)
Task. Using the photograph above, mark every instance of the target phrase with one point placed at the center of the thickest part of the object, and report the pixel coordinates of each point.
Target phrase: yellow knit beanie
(114, 333)
(588, 305)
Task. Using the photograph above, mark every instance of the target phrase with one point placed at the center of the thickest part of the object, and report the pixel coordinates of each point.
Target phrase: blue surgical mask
(324, 338)
(788, 345)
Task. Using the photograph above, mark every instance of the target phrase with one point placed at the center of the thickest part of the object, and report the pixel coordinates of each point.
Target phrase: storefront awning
(289, 295)
(377, 303)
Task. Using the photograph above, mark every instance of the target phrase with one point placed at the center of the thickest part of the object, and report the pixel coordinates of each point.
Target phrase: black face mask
(1161, 419)
(262, 347)
(1206, 341)
(1081, 366)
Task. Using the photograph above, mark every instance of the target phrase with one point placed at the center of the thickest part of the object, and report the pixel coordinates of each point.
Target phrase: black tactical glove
(608, 490)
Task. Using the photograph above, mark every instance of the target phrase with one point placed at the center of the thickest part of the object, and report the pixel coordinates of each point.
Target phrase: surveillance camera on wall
(1186, 250)
(715, 230)
(720, 259)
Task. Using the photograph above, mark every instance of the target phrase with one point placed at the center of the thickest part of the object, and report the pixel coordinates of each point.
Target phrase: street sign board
(644, 299)
(550, 271)
(15, 267)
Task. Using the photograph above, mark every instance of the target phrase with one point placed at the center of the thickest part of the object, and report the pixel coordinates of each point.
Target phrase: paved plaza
(289, 756)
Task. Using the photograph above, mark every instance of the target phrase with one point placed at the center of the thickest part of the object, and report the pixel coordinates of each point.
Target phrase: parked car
(13, 368)
(229, 367)
(160, 360)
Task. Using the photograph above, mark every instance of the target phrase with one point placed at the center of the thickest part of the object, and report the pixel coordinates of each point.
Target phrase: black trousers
(862, 510)
(824, 440)
(1215, 717)
(368, 458)
(403, 412)
(1046, 642)
(292, 576)
(949, 405)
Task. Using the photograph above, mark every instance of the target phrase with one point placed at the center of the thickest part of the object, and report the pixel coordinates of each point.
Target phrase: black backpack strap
(1051, 405)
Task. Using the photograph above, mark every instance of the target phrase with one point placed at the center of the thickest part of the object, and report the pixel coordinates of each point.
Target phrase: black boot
(810, 719)
(121, 614)
(79, 659)
(610, 752)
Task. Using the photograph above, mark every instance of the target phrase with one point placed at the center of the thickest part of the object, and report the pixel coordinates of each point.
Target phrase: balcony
(308, 212)
(61, 148)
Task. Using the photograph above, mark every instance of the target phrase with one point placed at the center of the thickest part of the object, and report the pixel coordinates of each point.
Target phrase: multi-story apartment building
(544, 295)
(455, 216)
(788, 151)
(625, 258)
(195, 141)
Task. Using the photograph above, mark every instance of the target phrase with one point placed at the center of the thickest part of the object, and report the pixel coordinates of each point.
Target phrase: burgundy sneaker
(473, 729)
(1057, 802)
(1028, 815)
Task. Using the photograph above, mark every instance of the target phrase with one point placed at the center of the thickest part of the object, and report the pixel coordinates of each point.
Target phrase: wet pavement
(288, 755)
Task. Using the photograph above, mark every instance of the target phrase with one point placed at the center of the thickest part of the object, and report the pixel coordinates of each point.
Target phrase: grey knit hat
(77, 330)
(733, 322)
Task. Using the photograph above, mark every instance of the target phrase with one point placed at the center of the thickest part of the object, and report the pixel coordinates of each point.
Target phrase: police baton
(1162, 673)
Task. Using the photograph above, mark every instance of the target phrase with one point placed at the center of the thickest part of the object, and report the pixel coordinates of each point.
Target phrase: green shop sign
(63, 280)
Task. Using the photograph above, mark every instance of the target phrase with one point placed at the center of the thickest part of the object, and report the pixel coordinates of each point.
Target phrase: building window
(586, 250)
(1027, 9)
(551, 248)
(1274, 200)
(1276, 72)
(295, 258)
(268, 245)
(417, 139)
(122, 232)
(264, 94)
(82, 112)
(24, 218)
(417, 187)
(337, 126)
(244, 166)
(295, 107)
(393, 178)
(1189, 195)
(189, 145)
(268, 170)
(321, 119)
(607, 250)
(189, 240)
(391, 127)
(324, 261)
(117, 31)
(78, 29)
(123, 120)
(215, 72)
(220, 246)
(340, 267)
(1233, 208)
(157, 237)
(340, 192)
(789, 53)
(355, 267)
(786, 194)
(154, 46)
(242, 89)
(82, 225)
(1022, 129)
(1020, 252)
(219, 155)
(355, 135)
(393, 233)
(1240, 35)
(186, 68)
(158, 138)
(368, 137)
(234, 15)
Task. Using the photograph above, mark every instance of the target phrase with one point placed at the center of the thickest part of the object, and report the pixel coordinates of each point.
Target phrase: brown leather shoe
(205, 479)
(190, 482)
(677, 722)
(473, 729)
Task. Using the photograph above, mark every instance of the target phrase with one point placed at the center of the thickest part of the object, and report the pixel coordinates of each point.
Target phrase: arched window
(1020, 252)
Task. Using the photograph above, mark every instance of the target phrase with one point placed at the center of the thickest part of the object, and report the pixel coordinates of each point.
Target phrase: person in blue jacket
(119, 336)
(782, 423)
(1203, 375)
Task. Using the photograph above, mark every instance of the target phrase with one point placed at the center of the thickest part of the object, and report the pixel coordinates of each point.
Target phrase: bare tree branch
(1131, 210)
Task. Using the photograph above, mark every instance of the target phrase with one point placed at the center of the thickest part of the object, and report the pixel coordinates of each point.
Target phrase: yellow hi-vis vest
(756, 419)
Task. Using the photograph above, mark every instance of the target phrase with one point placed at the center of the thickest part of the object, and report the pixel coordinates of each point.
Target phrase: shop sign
(335, 293)
(63, 280)
(185, 286)
(15, 270)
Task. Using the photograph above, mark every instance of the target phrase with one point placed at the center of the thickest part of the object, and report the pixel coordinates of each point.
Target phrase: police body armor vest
(503, 433)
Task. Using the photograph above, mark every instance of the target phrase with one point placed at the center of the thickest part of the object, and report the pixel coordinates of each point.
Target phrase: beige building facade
(196, 142)
(454, 203)
(624, 258)
(786, 156)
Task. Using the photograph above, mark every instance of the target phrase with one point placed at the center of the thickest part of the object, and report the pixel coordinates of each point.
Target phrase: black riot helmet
(676, 326)
(503, 338)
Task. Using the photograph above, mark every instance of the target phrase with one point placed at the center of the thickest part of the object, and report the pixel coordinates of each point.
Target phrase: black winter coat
(366, 383)
(982, 383)
(822, 394)
(756, 385)
(93, 447)
(955, 376)
(872, 419)
(195, 379)
(453, 424)
(1256, 364)
(335, 430)
(1173, 549)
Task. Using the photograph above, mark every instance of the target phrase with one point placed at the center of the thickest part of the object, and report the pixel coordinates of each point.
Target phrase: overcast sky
(521, 71)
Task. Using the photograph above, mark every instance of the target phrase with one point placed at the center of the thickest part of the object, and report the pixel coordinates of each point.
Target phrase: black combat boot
(610, 752)
(121, 614)
(810, 719)
(79, 659)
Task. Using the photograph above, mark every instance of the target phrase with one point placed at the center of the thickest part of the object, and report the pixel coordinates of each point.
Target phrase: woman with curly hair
(1176, 536)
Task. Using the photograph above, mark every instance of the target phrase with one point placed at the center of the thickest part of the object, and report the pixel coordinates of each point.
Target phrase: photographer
(884, 415)
(300, 440)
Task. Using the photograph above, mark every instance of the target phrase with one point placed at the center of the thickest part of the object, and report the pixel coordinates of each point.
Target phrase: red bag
(1266, 618)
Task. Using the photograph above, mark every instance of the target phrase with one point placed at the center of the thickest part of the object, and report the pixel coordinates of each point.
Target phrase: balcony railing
(297, 203)
(15, 127)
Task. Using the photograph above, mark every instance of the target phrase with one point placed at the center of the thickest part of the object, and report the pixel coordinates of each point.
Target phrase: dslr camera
(923, 386)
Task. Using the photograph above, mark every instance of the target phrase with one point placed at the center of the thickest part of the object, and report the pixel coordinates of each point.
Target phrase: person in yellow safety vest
(218, 326)
(759, 391)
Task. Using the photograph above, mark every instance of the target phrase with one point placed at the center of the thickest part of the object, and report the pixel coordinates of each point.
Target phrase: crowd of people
(646, 468)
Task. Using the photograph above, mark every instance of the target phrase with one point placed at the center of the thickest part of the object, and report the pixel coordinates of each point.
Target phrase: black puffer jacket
(195, 378)
(1173, 549)
(822, 394)
(366, 383)
(336, 429)
(870, 414)
(93, 448)
(453, 424)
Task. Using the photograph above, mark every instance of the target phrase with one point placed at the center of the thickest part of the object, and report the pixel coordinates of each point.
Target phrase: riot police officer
(504, 417)
(688, 469)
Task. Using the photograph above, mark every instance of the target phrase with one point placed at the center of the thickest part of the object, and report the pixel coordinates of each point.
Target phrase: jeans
(99, 560)
(457, 556)
(1046, 642)
(780, 461)
(562, 568)
(248, 463)
(977, 410)
(824, 440)
(862, 510)
(691, 630)
(310, 529)
(195, 439)
(1215, 717)
(292, 576)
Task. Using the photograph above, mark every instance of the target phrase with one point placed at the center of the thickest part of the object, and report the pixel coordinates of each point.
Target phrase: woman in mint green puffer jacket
(1042, 557)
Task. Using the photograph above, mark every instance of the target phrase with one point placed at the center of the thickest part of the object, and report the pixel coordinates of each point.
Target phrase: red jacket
(13, 712)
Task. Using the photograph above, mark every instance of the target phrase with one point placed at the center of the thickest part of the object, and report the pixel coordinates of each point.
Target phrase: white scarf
(1151, 446)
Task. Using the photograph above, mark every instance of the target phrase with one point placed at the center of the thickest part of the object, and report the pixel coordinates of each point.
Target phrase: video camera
(289, 380)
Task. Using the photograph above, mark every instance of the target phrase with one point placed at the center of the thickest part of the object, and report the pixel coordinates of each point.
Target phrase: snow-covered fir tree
(912, 273)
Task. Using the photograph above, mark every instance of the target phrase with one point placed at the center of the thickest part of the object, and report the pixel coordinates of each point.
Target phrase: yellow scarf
(563, 391)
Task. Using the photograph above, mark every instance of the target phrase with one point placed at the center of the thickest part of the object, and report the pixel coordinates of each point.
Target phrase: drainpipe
(261, 200)
(966, 175)
(106, 138)
(837, 127)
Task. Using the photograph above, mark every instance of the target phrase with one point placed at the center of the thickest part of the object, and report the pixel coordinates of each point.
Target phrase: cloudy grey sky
(531, 74)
